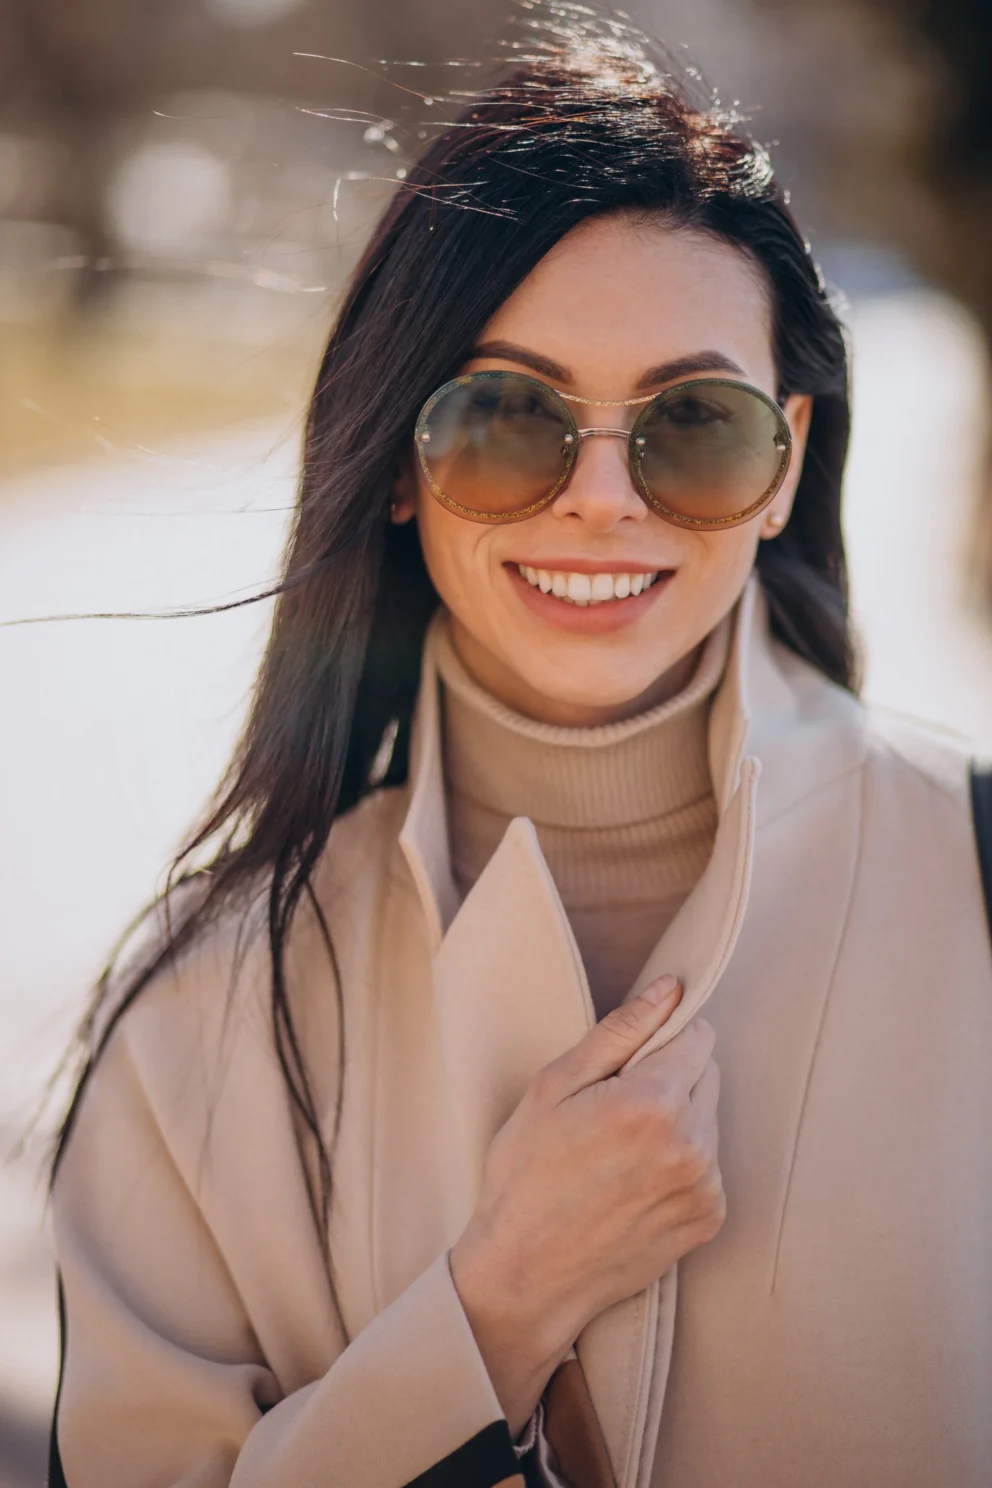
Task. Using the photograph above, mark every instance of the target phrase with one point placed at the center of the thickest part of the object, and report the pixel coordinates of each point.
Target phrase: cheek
(717, 571)
(454, 551)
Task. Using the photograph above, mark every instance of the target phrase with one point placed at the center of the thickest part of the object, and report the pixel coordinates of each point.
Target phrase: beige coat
(838, 1331)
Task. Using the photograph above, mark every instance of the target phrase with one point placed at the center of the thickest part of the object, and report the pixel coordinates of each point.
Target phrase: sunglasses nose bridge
(574, 438)
(593, 431)
(607, 430)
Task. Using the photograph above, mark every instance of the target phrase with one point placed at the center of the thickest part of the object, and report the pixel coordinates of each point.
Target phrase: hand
(596, 1185)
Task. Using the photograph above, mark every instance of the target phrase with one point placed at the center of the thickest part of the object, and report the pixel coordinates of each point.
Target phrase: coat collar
(767, 702)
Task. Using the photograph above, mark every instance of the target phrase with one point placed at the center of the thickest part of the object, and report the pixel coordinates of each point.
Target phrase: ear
(798, 410)
(403, 507)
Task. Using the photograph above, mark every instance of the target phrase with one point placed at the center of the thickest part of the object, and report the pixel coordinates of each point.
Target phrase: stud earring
(775, 520)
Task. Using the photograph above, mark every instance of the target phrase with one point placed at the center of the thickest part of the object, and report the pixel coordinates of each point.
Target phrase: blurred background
(184, 185)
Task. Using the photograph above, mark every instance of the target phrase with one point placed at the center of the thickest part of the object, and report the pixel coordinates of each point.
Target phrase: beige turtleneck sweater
(624, 813)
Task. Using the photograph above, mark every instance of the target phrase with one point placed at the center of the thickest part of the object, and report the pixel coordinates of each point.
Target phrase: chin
(592, 695)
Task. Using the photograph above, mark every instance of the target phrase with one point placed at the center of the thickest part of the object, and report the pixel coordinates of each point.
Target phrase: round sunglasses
(499, 447)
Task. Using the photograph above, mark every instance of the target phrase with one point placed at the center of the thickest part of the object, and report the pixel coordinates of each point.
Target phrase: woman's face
(612, 301)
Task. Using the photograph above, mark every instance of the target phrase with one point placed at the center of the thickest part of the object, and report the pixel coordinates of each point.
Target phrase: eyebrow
(671, 371)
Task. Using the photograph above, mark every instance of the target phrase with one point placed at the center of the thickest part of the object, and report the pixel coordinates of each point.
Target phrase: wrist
(508, 1295)
(522, 1338)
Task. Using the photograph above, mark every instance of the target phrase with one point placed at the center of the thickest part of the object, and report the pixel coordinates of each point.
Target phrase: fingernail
(661, 990)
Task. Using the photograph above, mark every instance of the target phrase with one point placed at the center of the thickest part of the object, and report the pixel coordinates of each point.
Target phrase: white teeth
(585, 589)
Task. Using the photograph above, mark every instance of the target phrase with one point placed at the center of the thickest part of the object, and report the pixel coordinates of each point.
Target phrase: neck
(509, 688)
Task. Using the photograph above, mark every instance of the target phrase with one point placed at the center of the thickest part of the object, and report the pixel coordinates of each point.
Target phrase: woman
(387, 1157)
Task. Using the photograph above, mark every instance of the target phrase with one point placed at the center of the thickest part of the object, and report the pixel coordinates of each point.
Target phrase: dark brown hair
(593, 120)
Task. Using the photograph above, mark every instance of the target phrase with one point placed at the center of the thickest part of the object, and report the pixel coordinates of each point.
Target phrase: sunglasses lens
(495, 443)
(711, 451)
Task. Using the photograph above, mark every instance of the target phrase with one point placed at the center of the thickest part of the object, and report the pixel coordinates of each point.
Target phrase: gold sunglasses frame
(574, 437)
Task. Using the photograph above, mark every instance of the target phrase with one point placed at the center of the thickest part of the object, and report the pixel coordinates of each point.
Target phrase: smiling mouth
(586, 589)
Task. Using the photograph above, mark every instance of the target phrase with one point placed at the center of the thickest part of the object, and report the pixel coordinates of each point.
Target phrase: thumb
(606, 1048)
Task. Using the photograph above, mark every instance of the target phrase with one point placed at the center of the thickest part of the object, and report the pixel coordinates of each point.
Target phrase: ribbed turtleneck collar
(614, 775)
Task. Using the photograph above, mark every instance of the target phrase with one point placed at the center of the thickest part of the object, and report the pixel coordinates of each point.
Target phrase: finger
(679, 1064)
(608, 1046)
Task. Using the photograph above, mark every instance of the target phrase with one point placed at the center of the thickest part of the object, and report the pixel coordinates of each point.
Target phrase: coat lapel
(510, 990)
(511, 995)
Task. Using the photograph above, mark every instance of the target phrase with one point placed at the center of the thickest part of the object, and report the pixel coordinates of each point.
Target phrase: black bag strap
(981, 810)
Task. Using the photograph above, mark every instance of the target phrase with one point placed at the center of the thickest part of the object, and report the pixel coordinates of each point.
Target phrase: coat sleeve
(164, 1382)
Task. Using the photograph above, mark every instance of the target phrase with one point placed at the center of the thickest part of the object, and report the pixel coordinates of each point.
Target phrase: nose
(599, 491)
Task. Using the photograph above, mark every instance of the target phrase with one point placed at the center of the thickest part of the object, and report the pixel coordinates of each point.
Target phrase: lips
(575, 610)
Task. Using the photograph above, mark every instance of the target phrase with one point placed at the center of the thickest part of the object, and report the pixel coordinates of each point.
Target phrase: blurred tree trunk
(958, 171)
